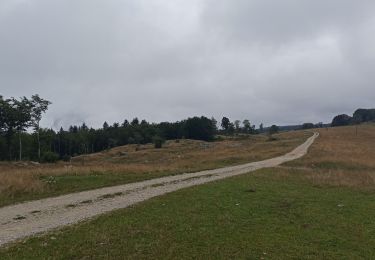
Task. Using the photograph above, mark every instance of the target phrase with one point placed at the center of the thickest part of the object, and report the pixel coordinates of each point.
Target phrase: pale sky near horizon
(276, 62)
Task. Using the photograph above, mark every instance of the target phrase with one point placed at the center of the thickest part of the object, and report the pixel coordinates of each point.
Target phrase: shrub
(50, 157)
(341, 120)
(271, 138)
(219, 138)
(274, 129)
(66, 158)
(158, 142)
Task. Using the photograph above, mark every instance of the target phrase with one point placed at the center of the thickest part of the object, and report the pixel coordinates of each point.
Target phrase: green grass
(350, 166)
(268, 214)
(71, 183)
(63, 184)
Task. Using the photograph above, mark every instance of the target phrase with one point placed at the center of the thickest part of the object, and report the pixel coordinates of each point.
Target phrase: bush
(274, 129)
(219, 138)
(66, 158)
(158, 142)
(341, 120)
(50, 157)
(271, 138)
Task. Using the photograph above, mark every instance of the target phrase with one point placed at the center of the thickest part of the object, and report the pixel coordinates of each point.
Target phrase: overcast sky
(271, 61)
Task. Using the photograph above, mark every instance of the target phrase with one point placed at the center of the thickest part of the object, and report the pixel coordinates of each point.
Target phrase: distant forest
(359, 116)
(21, 137)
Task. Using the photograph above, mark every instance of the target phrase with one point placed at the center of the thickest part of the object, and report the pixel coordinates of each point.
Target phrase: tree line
(21, 136)
(359, 116)
(17, 116)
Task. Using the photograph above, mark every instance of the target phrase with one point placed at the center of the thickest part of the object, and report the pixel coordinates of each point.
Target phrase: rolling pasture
(317, 207)
(22, 181)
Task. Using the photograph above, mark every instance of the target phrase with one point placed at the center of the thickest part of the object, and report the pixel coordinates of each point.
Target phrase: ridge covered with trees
(19, 116)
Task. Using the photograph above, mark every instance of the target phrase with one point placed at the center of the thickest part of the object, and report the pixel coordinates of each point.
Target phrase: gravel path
(29, 218)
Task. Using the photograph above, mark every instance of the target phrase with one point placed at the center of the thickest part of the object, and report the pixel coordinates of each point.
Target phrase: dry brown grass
(173, 158)
(339, 157)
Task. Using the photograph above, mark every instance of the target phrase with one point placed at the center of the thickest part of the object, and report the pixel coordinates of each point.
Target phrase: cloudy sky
(270, 61)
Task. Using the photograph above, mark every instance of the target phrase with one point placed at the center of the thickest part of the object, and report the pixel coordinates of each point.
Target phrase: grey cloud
(270, 61)
(278, 22)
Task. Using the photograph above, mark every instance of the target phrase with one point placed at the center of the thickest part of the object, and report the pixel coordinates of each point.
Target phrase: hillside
(131, 163)
(317, 207)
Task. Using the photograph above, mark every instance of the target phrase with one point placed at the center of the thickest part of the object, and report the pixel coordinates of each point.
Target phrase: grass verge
(271, 214)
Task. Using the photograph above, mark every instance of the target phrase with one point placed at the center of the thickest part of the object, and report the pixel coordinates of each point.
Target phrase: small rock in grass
(35, 163)
(19, 217)
(305, 226)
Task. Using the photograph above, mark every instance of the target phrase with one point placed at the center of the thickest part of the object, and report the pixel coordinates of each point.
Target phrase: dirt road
(29, 218)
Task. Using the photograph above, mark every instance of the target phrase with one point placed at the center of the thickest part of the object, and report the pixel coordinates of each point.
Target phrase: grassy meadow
(341, 157)
(260, 216)
(318, 207)
(25, 180)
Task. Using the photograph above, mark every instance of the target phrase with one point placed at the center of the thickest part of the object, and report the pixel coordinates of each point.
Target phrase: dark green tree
(225, 123)
(7, 124)
(200, 128)
(237, 125)
(135, 122)
(38, 107)
(125, 123)
(3, 105)
(23, 109)
(246, 126)
(214, 123)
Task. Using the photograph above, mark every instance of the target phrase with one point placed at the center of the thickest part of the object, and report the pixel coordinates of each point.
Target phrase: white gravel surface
(29, 218)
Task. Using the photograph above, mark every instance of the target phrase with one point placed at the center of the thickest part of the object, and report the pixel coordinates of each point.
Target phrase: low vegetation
(25, 180)
(316, 207)
(342, 157)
